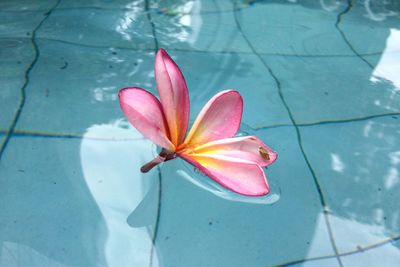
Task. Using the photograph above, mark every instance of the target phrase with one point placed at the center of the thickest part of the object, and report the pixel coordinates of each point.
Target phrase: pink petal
(240, 176)
(174, 96)
(248, 148)
(220, 118)
(143, 110)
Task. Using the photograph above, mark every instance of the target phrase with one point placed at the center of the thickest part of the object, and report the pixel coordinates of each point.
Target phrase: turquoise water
(321, 85)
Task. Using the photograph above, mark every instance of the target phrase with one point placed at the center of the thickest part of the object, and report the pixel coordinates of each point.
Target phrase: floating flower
(234, 162)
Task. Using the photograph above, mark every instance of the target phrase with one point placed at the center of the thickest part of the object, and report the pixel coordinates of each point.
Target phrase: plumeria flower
(234, 162)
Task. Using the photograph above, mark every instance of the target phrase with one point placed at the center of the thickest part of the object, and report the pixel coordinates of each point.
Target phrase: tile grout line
(318, 123)
(344, 254)
(337, 26)
(158, 216)
(133, 49)
(317, 184)
(30, 133)
(160, 10)
(22, 134)
(159, 203)
(21, 104)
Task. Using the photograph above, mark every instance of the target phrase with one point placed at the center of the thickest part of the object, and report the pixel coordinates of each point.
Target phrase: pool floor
(321, 86)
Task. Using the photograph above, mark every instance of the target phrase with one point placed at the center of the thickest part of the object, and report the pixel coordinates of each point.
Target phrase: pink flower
(234, 162)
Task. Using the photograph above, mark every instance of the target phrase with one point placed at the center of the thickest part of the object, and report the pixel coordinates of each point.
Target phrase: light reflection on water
(206, 183)
(359, 165)
(117, 188)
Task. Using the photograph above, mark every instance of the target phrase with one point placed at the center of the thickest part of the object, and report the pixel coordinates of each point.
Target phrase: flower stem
(163, 156)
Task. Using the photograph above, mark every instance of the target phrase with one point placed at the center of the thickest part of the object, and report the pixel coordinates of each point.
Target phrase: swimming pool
(320, 85)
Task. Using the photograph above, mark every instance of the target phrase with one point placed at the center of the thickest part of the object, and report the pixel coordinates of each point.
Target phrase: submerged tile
(195, 30)
(73, 87)
(331, 262)
(71, 201)
(26, 5)
(16, 55)
(102, 4)
(357, 164)
(123, 28)
(86, 82)
(19, 24)
(292, 228)
(182, 6)
(209, 73)
(385, 255)
(368, 27)
(302, 28)
(332, 88)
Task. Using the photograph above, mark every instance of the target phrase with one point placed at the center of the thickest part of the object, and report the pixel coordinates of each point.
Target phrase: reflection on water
(111, 171)
(15, 254)
(379, 10)
(388, 67)
(87, 51)
(206, 183)
(354, 232)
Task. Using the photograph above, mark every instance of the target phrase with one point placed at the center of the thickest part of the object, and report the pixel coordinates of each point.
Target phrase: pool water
(321, 85)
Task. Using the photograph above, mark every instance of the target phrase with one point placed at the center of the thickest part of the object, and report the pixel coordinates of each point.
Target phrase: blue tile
(19, 24)
(16, 55)
(69, 193)
(87, 81)
(332, 88)
(367, 26)
(199, 31)
(331, 262)
(80, 82)
(181, 6)
(209, 73)
(386, 255)
(50, 203)
(26, 5)
(358, 164)
(303, 28)
(102, 4)
(292, 228)
(123, 28)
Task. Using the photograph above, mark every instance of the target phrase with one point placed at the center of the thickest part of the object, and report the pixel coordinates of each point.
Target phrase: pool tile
(369, 26)
(16, 55)
(19, 24)
(102, 4)
(206, 74)
(199, 31)
(182, 6)
(123, 28)
(26, 5)
(357, 164)
(86, 82)
(387, 255)
(332, 262)
(302, 28)
(212, 231)
(80, 191)
(327, 97)
(72, 88)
